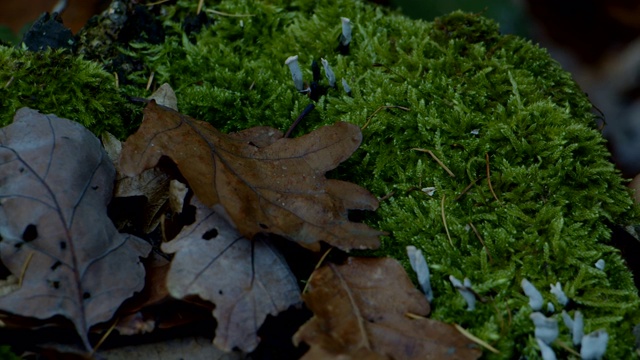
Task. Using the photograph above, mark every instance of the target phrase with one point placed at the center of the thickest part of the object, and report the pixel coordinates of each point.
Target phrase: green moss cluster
(454, 86)
(61, 83)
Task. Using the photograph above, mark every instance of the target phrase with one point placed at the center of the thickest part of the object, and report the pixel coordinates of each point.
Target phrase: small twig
(381, 108)
(388, 196)
(8, 82)
(481, 241)
(466, 189)
(563, 345)
(150, 80)
(390, 70)
(305, 112)
(157, 2)
(444, 220)
(24, 268)
(104, 337)
(227, 14)
(489, 178)
(436, 159)
(316, 268)
(414, 316)
(506, 303)
(115, 75)
(476, 340)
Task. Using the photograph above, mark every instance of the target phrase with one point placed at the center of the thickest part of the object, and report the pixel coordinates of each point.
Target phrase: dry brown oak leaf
(55, 184)
(360, 312)
(246, 281)
(265, 182)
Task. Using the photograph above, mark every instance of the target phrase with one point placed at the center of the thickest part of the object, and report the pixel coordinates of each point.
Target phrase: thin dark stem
(305, 112)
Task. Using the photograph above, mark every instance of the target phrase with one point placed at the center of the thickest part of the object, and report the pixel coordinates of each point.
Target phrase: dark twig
(489, 178)
(305, 112)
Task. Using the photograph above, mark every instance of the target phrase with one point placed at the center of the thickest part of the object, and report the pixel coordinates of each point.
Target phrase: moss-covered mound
(530, 192)
(64, 84)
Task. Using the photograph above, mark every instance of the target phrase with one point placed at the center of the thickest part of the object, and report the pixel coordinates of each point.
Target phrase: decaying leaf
(177, 193)
(55, 183)
(165, 96)
(154, 185)
(266, 183)
(245, 280)
(360, 312)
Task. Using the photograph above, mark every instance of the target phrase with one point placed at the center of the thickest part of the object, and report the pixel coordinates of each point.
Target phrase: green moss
(61, 83)
(556, 190)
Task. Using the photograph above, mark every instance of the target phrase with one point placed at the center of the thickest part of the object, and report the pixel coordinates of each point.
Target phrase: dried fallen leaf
(245, 280)
(165, 96)
(55, 184)
(154, 185)
(266, 183)
(360, 308)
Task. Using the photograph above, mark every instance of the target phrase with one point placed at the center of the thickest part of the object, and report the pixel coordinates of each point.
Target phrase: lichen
(531, 171)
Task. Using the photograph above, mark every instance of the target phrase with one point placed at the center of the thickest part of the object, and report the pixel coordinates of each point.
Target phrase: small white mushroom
(345, 86)
(535, 298)
(594, 345)
(577, 331)
(568, 321)
(296, 72)
(546, 328)
(429, 190)
(328, 72)
(465, 291)
(345, 38)
(560, 295)
(546, 351)
(550, 307)
(419, 265)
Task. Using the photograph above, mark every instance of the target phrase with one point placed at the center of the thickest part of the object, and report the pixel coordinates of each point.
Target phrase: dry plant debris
(265, 182)
(361, 312)
(55, 235)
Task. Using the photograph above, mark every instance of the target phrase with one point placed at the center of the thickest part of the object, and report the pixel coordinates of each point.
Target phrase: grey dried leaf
(55, 183)
(246, 281)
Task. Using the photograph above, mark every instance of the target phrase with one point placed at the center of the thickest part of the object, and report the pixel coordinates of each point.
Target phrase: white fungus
(296, 73)
(577, 330)
(600, 265)
(429, 190)
(465, 291)
(560, 295)
(345, 86)
(535, 298)
(419, 265)
(546, 328)
(328, 72)
(345, 38)
(594, 345)
(546, 351)
(550, 307)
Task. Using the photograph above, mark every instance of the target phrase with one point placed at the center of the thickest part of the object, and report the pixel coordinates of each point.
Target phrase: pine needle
(489, 178)
(481, 241)
(436, 159)
(381, 108)
(24, 268)
(316, 268)
(104, 337)
(444, 220)
(476, 340)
